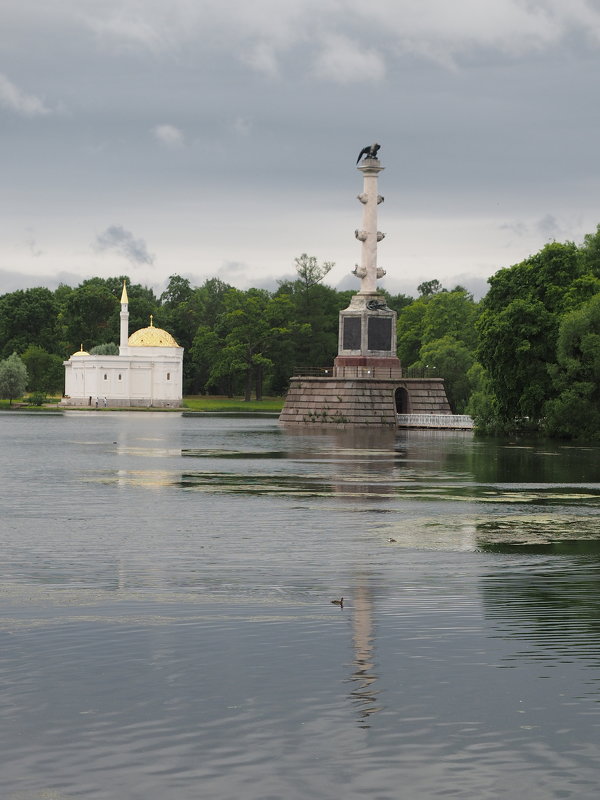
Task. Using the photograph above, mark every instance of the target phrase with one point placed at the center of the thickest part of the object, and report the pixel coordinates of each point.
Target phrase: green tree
(452, 361)
(451, 314)
(27, 317)
(519, 325)
(589, 253)
(516, 347)
(428, 288)
(581, 290)
(310, 272)
(575, 412)
(178, 291)
(13, 378)
(108, 349)
(202, 356)
(545, 277)
(481, 405)
(46, 373)
(187, 311)
(314, 310)
(251, 325)
(91, 312)
(315, 314)
(87, 315)
(410, 326)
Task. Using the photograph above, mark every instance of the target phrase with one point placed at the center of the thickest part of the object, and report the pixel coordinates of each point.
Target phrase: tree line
(527, 356)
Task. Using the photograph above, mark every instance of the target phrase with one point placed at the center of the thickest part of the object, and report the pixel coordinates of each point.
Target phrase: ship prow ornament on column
(365, 386)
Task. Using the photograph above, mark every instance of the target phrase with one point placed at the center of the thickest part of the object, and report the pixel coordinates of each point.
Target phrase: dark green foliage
(313, 322)
(37, 399)
(27, 317)
(575, 411)
(516, 346)
(90, 315)
(538, 342)
(589, 253)
(546, 277)
(45, 370)
(427, 288)
(185, 312)
(451, 314)
(410, 326)
(91, 312)
(436, 333)
(251, 329)
(451, 360)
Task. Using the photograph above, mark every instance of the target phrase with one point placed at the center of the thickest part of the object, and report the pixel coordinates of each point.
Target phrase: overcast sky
(219, 137)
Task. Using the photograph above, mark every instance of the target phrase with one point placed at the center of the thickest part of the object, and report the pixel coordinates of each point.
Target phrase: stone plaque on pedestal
(367, 339)
(379, 335)
(351, 333)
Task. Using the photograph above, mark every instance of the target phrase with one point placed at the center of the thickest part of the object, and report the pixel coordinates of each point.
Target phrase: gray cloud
(547, 226)
(231, 271)
(262, 32)
(15, 99)
(343, 60)
(242, 126)
(168, 135)
(122, 241)
(516, 227)
(13, 280)
(252, 166)
(32, 244)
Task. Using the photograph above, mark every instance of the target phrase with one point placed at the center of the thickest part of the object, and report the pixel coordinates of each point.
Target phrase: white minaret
(369, 272)
(123, 348)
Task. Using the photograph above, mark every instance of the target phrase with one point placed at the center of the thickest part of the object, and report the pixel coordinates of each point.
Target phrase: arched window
(168, 376)
(105, 376)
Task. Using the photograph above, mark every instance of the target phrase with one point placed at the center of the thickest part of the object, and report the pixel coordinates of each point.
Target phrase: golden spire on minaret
(124, 298)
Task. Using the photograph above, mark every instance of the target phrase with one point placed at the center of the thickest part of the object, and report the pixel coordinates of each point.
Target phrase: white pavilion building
(147, 373)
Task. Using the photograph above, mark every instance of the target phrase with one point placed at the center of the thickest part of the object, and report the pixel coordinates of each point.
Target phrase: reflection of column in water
(364, 462)
(364, 695)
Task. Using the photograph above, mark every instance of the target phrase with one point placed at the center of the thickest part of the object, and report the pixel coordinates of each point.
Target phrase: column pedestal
(367, 339)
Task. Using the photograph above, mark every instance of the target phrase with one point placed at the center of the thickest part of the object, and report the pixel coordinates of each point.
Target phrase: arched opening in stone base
(402, 401)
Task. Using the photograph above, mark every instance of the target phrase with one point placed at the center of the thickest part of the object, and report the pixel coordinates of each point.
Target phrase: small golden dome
(151, 337)
(80, 352)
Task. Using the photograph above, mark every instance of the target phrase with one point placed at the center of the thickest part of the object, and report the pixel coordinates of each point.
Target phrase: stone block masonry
(423, 396)
(362, 401)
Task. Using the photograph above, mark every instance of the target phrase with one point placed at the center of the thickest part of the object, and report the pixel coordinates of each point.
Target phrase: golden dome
(151, 337)
(80, 352)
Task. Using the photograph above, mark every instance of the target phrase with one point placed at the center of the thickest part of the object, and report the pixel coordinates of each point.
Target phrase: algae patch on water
(496, 533)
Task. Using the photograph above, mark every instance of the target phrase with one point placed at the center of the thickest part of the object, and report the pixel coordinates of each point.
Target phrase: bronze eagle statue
(370, 151)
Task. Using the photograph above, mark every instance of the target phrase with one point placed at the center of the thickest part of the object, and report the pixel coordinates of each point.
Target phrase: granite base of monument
(364, 401)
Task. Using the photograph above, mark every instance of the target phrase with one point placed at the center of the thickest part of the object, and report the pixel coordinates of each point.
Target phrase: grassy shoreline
(191, 403)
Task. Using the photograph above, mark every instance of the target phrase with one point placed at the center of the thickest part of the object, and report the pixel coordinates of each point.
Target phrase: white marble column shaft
(369, 235)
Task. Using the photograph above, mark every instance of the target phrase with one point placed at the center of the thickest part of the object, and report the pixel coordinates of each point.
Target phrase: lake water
(168, 633)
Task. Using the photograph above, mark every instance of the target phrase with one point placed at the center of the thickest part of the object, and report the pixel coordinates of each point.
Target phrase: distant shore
(191, 404)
